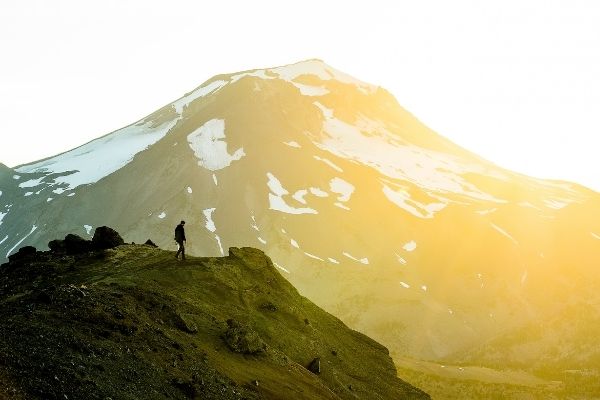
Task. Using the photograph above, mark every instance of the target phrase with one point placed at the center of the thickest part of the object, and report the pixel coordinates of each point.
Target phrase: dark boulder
(268, 306)
(75, 244)
(315, 366)
(24, 252)
(242, 339)
(106, 238)
(57, 246)
(150, 243)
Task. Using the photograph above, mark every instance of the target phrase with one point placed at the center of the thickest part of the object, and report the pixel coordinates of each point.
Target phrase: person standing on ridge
(180, 239)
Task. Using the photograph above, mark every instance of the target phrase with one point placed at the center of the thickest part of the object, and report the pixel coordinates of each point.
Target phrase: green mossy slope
(134, 323)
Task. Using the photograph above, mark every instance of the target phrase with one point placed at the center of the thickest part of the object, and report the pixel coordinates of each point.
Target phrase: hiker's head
(182, 222)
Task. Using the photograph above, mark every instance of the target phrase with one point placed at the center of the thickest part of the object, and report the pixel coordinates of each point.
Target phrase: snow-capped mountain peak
(368, 212)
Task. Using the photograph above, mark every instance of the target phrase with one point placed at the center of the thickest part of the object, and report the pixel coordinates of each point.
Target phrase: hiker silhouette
(180, 239)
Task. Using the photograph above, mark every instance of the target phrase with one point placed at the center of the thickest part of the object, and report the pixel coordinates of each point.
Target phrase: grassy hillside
(132, 322)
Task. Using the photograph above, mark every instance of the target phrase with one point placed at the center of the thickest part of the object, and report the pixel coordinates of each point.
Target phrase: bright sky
(516, 81)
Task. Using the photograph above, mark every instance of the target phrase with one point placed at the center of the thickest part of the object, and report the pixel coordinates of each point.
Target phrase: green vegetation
(134, 323)
(449, 382)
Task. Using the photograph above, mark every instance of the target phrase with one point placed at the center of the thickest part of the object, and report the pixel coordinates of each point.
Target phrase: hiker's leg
(179, 250)
(182, 251)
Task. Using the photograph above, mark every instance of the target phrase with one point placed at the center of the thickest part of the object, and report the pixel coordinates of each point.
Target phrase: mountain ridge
(131, 321)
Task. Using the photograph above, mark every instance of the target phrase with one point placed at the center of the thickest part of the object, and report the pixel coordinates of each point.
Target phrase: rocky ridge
(99, 319)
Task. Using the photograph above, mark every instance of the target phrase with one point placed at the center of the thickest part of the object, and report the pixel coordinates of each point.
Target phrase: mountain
(133, 322)
(403, 235)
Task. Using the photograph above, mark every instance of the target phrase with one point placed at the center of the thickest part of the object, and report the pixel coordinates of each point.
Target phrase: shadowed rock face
(106, 238)
(132, 322)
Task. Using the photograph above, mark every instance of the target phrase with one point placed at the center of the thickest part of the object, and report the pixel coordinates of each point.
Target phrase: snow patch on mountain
(218, 239)
(308, 90)
(260, 73)
(293, 144)
(210, 224)
(402, 199)
(322, 71)
(4, 240)
(281, 268)
(100, 157)
(405, 285)
(202, 91)
(33, 228)
(401, 259)
(341, 205)
(341, 187)
(299, 195)
(2, 215)
(263, 241)
(327, 112)
(88, 229)
(275, 186)
(329, 162)
(31, 183)
(210, 149)
(313, 256)
(162, 215)
(410, 246)
(363, 260)
(318, 192)
(276, 201)
(382, 150)
(503, 232)
(189, 190)
(254, 225)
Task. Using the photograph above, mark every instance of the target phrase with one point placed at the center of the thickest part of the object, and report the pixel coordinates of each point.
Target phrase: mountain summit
(402, 234)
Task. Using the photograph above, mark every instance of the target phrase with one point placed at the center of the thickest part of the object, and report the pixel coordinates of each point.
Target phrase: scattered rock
(315, 366)
(333, 352)
(185, 324)
(150, 243)
(242, 339)
(268, 306)
(106, 238)
(57, 246)
(75, 244)
(24, 252)
(255, 382)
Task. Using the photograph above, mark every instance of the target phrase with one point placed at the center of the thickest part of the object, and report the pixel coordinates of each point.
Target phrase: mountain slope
(382, 222)
(132, 322)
